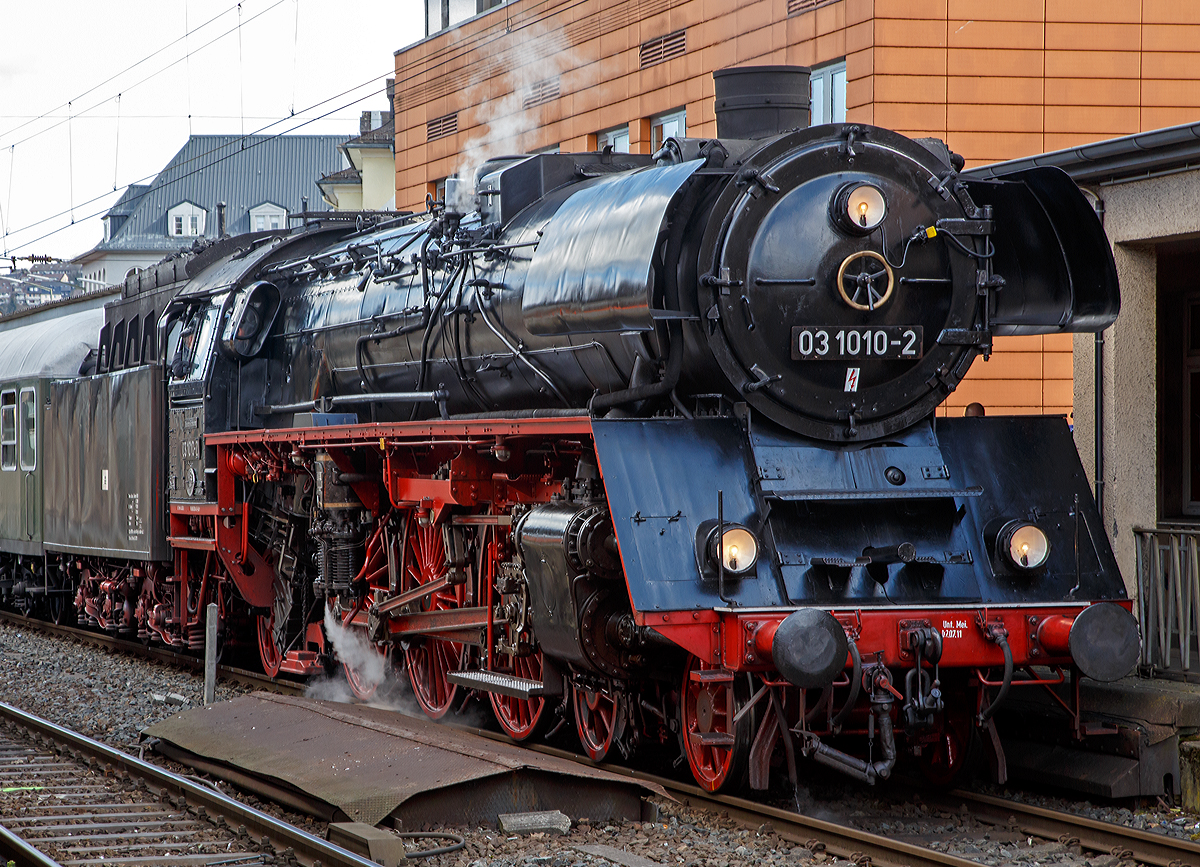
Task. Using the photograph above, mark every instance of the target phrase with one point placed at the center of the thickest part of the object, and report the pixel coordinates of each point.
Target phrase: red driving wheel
(269, 652)
(942, 761)
(599, 719)
(520, 718)
(717, 748)
(430, 659)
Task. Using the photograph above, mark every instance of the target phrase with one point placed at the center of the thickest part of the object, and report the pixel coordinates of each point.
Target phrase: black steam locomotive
(643, 444)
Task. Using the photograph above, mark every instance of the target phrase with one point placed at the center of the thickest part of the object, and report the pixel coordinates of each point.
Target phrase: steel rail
(307, 848)
(1146, 846)
(160, 654)
(846, 842)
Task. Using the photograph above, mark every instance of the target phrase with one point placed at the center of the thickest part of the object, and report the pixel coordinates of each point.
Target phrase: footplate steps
(503, 684)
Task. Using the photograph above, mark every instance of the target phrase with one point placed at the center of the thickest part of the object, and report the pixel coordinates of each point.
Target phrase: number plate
(856, 343)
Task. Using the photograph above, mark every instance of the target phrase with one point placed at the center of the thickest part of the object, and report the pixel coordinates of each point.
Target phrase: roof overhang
(1141, 155)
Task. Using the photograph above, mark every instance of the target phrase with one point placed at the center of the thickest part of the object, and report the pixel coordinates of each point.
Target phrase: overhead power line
(205, 165)
(138, 83)
(111, 78)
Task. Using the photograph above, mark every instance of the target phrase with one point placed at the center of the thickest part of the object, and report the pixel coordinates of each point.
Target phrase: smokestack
(759, 101)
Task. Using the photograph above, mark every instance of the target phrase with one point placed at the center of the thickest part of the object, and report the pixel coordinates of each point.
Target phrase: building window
(828, 84)
(618, 137)
(440, 14)
(8, 430)
(664, 126)
(185, 220)
(267, 217)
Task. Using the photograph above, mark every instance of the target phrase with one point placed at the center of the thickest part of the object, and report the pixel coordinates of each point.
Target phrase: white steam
(352, 649)
(392, 688)
(532, 57)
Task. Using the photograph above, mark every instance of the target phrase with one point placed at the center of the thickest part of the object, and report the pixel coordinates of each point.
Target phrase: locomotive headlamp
(725, 548)
(859, 208)
(1024, 545)
(738, 550)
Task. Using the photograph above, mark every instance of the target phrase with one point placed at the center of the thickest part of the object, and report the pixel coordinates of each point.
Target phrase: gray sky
(291, 61)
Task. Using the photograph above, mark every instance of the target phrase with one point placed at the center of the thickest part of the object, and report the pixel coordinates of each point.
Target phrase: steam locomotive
(643, 445)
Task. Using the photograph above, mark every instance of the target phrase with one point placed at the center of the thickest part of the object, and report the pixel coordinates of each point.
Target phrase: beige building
(368, 183)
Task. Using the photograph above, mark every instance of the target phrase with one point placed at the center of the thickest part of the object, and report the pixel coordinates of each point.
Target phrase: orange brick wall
(995, 80)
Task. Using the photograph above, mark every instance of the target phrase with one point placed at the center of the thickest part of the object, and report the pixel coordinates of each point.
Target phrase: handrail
(1168, 580)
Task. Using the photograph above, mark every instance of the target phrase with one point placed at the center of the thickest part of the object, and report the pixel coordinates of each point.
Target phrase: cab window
(195, 341)
(28, 429)
(8, 430)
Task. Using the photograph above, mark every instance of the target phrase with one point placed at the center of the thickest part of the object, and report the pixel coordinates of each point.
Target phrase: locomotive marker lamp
(859, 208)
(1024, 545)
(738, 549)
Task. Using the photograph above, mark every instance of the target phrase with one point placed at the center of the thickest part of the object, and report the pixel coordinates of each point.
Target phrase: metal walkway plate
(368, 763)
(498, 682)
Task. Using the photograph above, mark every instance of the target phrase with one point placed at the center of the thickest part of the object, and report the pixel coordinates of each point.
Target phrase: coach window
(828, 87)
(28, 429)
(673, 124)
(8, 430)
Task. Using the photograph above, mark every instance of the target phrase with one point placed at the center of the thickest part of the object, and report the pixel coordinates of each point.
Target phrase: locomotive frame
(569, 452)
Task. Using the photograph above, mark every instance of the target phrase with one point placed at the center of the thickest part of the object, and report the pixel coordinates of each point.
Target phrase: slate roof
(128, 201)
(345, 176)
(381, 136)
(242, 171)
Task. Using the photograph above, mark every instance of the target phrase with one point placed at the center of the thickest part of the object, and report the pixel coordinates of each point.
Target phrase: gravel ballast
(113, 696)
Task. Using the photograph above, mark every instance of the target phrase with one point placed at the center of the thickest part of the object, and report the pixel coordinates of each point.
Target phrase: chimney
(755, 102)
(220, 219)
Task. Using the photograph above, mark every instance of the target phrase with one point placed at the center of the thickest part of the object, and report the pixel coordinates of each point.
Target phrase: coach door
(28, 460)
(12, 517)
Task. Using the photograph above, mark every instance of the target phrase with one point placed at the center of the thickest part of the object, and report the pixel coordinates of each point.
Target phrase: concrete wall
(1138, 215)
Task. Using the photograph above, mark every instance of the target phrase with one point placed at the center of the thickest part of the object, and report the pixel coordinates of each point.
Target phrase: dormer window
(267, 217)
(185, 220)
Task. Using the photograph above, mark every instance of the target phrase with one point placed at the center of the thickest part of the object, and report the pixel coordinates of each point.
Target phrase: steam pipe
(991, 709)
(1098, 374)
(664, 386)
(860, 769)
(855, 687)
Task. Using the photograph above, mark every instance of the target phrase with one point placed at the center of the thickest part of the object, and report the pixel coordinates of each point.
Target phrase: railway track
(229, 673)
(839, 839)
(855, 844)
(69, 800)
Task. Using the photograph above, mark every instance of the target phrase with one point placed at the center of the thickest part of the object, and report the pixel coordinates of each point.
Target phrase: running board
(504, 684)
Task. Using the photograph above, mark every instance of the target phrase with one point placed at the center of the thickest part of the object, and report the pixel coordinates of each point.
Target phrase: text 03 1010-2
(830, 343)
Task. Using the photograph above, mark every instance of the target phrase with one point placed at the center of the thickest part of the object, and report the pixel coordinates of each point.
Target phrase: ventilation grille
(663, 48)
(440, 127)
(541, 92)
(796, 7)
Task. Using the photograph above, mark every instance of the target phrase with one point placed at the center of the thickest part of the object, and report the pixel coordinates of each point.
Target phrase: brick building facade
(996, 81)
